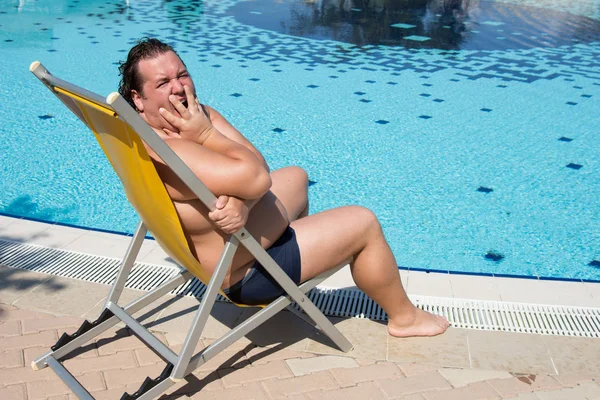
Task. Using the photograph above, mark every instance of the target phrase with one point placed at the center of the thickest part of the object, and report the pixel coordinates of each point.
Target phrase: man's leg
(290, 186)
(328, 238)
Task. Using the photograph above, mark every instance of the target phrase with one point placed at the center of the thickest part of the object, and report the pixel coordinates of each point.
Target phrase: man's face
(162, 76)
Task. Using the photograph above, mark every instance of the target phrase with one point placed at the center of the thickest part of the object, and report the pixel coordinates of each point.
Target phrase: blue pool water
(470, 128)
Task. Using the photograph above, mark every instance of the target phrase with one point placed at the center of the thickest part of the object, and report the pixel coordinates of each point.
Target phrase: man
(272, 205)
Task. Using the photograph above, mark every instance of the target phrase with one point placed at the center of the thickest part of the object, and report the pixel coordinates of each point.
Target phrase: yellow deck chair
(120, 132)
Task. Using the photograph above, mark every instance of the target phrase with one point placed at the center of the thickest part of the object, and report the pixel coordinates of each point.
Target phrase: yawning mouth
(185, 103)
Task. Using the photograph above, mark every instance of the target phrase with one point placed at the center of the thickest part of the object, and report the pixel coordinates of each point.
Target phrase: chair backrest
(128, 156)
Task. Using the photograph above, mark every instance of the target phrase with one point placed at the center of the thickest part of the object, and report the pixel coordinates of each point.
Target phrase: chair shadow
(282, 331)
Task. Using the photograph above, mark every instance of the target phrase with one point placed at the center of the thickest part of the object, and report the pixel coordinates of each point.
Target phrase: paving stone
(416, 384)
(381, 370)
(13, 376)
(262, 355)
(147, 357)
(574, 355)
(47, 298)
(463, 377)
(414, 369)
(301, 396)
(475, 391)
(589, 390)
(42, 339)
(6, 307)
(40, 390)
(22, 314)
(306, 366)
(13, 392)
(225, 359)
(116, 378)
(526, 396)
(572, 379)
(10, 328)
(362, 391)
(61, 324)
(523, 383)
(117, 344)
(448, 350)
(363, 362)
(198, 382)
(300, 384)
(252, 373)
(113, 394)
(122, 360)
(415, 396)
(252, 391)
(33, 353)
(16, 283)
(12, 359)
(369, 339)
(509, 351)
(284, 330)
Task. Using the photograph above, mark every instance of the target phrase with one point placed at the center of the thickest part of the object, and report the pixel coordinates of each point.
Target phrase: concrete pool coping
(438, 284)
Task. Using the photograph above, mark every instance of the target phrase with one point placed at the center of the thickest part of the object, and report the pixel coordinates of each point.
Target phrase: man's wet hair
(144, 49)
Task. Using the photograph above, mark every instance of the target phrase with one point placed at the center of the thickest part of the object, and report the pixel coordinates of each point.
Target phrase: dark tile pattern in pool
(182, 30)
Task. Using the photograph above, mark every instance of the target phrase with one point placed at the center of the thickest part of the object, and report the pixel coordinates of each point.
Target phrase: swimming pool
(470, 130)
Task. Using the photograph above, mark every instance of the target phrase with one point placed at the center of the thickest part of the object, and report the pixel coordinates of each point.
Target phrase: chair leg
(206, 306)
(127, 264)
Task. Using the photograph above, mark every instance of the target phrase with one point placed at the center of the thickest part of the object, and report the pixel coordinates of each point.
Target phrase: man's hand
(230, 214)
(193, 124)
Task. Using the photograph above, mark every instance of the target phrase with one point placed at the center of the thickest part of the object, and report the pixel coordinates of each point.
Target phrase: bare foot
(420, 323)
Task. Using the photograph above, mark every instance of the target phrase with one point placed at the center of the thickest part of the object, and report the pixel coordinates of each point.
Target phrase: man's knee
(367, 220)
(299, 175)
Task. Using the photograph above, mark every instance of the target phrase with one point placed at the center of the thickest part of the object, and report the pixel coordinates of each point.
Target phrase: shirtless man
(272, 205)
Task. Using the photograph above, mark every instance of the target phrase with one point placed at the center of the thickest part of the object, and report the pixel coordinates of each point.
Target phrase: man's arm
(223, 126)
(224, 166)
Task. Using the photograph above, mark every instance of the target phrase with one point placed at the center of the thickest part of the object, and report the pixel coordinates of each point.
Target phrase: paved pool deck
(285, 358)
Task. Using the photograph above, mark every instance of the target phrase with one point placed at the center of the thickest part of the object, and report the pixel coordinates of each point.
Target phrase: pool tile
(5, 221)
(96, 244)
(474, 287)
(574, 166)
(429, 284)
(22, 230)
(545, 292)
(403, 26)
(509, 351)
(417, 38)
(158, 256)
(594, 291)
(56, 237)
(447, 350)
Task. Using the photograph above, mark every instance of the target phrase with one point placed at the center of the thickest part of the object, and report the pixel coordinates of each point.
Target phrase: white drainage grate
(470, 314)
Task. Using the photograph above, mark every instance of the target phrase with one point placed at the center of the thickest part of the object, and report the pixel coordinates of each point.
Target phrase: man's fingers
(190, 97)
(173, 120)
(222, 201)
(178, 105)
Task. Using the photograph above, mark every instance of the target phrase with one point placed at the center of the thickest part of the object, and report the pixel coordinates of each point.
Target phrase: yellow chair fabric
(144, 188)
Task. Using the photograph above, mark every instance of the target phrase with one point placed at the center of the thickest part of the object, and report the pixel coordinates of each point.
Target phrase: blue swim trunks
(258, 287)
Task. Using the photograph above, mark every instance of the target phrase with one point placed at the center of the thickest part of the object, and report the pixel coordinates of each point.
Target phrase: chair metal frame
(182, 364)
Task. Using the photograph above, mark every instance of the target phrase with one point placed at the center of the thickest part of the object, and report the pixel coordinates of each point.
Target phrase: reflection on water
(443, 24)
